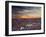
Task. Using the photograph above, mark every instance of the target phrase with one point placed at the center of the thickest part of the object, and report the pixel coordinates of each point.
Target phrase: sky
(26, 11)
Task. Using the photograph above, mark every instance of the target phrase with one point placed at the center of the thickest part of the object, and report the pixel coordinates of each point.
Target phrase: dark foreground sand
(26, 24)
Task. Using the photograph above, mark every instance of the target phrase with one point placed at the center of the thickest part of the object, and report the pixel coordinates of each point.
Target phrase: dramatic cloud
(24, 11)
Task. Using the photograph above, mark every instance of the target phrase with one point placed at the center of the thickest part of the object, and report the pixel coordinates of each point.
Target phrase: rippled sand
(26, 24)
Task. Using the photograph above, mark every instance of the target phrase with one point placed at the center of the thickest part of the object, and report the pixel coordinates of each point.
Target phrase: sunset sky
(26, 12)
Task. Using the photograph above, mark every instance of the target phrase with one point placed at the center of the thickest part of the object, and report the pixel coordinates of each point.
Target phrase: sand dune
(25, 17)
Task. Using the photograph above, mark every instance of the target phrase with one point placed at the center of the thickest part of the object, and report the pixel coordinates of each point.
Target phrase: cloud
(27, 11)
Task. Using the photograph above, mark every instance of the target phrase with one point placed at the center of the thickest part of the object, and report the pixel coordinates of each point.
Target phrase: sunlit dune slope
(26, 17)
